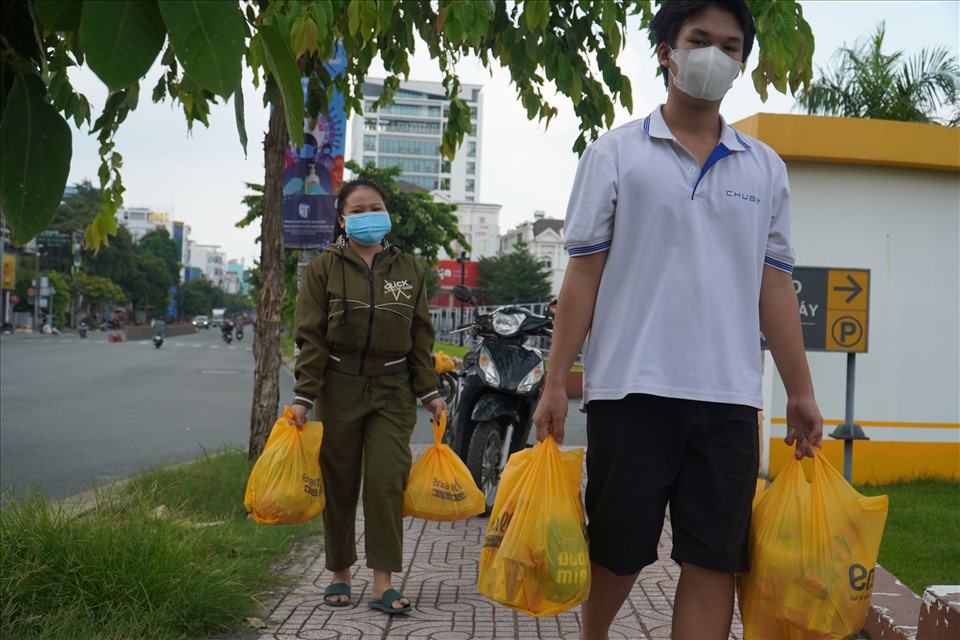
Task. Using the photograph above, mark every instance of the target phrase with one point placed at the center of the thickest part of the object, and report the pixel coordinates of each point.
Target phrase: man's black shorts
(644, 452)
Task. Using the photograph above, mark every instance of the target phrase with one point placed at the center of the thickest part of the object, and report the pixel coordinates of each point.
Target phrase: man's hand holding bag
(535, 556)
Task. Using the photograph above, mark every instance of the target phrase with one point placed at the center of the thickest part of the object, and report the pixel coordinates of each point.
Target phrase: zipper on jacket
(366, 346)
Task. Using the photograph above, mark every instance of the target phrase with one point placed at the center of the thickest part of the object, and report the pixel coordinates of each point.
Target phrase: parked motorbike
(239, 332)
(446, 368)
(83, 328)
(492, 410)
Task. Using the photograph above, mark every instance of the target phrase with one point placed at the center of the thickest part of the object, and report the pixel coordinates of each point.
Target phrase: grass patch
(451, 349)
(923, 525)
(124, 571)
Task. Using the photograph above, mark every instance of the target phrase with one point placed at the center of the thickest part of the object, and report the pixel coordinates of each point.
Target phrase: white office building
(210, 261)
(140, 221)
(544, 238)
(408, 133)
(479, 223)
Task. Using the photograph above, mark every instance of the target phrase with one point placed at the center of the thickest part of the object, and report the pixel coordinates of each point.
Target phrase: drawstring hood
(341, 243)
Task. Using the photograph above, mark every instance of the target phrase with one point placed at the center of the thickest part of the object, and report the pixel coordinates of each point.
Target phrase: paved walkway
(441, 561)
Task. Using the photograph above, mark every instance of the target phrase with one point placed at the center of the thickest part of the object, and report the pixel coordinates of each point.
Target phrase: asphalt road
(75, 413)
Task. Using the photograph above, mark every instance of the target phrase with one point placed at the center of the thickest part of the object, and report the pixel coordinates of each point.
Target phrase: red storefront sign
(448, 273)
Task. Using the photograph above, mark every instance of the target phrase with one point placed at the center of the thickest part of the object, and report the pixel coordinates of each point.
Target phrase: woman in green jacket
(365, 340)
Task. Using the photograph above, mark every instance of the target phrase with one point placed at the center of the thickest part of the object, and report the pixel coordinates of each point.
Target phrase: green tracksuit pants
(367, 425)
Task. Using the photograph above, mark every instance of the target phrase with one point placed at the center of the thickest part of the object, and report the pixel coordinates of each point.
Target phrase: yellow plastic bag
(440, 486)
(285, 486)
(442, 363)
(813, 549)
(535, 556)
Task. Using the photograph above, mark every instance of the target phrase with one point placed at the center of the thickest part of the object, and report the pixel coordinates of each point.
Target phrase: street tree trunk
(266, 344)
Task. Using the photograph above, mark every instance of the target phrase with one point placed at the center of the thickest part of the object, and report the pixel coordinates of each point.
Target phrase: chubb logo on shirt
(397, 288)
(749, 197)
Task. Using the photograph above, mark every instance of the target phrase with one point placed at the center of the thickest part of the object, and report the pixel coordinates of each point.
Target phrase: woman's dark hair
(671, 16)
(345, 191)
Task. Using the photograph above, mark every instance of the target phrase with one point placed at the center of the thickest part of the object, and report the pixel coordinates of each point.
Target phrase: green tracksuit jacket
(363, 321)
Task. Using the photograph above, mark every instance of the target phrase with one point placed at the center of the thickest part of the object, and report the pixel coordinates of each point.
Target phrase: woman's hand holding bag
(285, 486)
(440, 486)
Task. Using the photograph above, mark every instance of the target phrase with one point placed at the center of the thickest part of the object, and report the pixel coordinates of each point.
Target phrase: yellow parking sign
(9, 271)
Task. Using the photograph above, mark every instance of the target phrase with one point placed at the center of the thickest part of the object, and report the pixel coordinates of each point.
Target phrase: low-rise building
(544, 239)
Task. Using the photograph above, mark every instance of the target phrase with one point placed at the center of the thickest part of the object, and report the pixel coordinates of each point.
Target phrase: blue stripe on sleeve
(778, 264)
(593, 248)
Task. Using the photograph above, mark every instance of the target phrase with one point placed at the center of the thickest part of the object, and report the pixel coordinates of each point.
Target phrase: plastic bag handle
(439, 427)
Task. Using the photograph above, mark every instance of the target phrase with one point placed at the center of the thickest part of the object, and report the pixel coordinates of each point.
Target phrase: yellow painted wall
(881, 462)
(803, 138)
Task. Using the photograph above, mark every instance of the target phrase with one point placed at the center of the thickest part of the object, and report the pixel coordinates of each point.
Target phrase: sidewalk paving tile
(441, 561)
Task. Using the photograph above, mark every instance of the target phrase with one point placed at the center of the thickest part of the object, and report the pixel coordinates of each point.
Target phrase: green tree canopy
(198, 297)
(517, 276)
(60, 300)
(159, 243)
(202, 47)
(96, 290)
(77, 210)
(114, 262)
(148, 285)
(865, 82)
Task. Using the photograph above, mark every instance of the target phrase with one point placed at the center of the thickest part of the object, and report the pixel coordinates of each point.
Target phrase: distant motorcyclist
(226, 329)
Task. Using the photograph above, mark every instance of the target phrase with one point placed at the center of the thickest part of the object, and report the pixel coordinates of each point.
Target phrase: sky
(198, 177)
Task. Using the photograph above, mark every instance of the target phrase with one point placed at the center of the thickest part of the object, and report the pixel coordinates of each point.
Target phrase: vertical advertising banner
(172, 307)
(313, 173)
(178, 236)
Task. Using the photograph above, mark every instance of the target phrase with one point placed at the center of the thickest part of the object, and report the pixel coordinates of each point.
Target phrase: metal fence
(447, 319)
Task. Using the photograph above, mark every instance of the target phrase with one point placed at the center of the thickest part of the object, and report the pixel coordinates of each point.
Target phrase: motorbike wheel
(483, 459)
(448, 387)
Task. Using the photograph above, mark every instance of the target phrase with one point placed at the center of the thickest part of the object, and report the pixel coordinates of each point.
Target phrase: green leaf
(58, 15)
(35, 151)
(241, 121)
(368, 18)
(299, 36)
(121, 39)
(322, 19)
(283, 68)
(208, 36)
(385, 10)
(536, 14)
(353, 16)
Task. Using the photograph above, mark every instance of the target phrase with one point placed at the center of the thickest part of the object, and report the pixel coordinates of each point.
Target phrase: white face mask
(706, 73)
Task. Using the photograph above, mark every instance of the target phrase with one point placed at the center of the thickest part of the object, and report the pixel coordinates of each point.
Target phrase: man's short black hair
(671, 16)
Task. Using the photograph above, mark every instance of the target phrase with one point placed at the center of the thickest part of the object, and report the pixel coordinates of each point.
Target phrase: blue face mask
(367, 228)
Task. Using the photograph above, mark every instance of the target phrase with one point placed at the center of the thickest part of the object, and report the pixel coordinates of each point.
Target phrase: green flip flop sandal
(386, 601)
(336, 589)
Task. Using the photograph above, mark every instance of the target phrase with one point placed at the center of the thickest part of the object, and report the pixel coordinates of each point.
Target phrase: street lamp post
(463, 267)
(36, 297)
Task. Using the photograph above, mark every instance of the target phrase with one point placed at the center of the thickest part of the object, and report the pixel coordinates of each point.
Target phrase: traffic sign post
(834, 309)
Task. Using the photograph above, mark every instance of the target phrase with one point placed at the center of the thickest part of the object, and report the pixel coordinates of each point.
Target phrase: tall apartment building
(408, 132)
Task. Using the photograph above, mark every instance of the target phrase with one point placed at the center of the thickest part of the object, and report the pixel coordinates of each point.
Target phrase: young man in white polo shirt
(678, 229)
